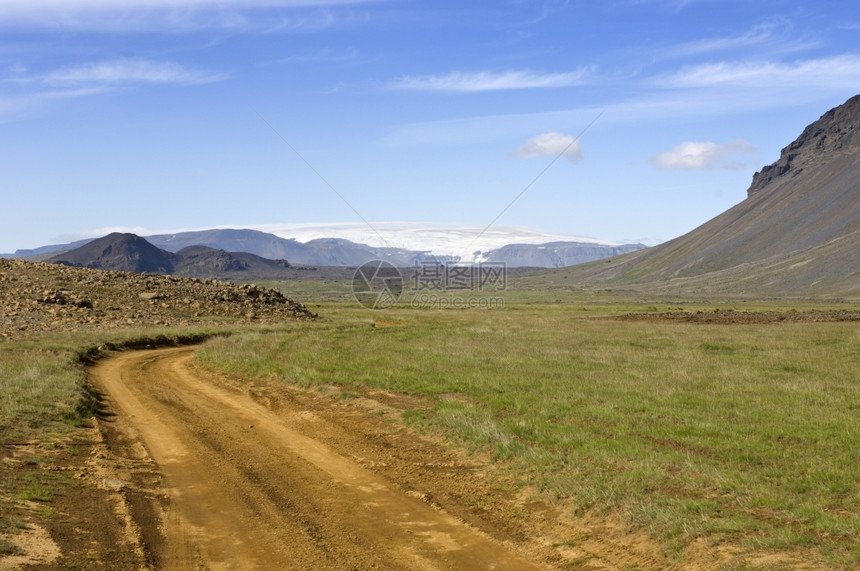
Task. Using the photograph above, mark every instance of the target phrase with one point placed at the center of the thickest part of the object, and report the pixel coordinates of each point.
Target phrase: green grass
(40, 386)
(44, 386)
(11, 524)
(742, 433)
(8, 548)
(34, 488)
(739, 433)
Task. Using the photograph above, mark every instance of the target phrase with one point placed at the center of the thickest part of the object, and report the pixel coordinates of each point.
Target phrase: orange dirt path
(244, 485)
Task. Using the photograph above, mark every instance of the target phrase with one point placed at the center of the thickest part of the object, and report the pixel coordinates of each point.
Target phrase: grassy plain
(44, 385)
(743, 434)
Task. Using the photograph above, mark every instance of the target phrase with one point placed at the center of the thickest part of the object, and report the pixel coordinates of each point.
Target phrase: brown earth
(37, 297)
(729, 316)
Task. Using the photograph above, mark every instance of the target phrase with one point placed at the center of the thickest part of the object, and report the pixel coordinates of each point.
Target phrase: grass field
(44, 386)
(746, 434)
(743, 434)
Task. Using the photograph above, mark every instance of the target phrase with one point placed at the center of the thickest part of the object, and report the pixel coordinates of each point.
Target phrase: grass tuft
(8, 548)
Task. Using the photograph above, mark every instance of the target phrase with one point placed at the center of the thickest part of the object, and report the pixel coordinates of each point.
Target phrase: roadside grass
(43, 382)
(42, 386)
(746, 434)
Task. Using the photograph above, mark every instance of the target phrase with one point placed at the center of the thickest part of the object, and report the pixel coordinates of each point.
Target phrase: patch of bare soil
(55, 516)
(222, 473)
(730, 316)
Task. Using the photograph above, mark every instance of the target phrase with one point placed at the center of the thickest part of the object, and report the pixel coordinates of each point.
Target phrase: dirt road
(221, 476)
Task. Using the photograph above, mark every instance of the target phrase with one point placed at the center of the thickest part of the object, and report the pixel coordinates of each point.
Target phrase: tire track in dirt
(248, 488)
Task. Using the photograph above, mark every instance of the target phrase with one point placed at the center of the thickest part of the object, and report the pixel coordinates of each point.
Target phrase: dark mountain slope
(202, 261)
(797, 233)
(122, 252)
(131, 253)
(251, 241)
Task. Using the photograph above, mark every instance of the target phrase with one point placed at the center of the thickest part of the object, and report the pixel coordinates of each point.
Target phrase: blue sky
(161, 114)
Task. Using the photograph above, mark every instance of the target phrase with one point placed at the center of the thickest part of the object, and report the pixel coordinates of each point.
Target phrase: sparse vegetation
(44, 383)
(9, 524)
(741, 433)
(9, 548)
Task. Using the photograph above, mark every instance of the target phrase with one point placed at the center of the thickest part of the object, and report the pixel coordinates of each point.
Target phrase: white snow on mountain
(465, 241)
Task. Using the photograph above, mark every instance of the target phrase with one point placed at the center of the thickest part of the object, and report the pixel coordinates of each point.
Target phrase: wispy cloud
(706, 90)
(551, 144)
(489, 81)
(837, 71)
(702, 155)
(675, 5)
(27, 92)
(149, 14)
(129, 71)
(768, 36)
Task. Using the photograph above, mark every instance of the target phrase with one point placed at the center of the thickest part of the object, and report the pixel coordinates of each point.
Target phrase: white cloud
(752, 37)
(552, 144)
(837, 71)
(711, 90)
(10, 8)
(487, 81)
(146, 14)
(704, 155)
(768, 37)
(128, 71)
(37, 91)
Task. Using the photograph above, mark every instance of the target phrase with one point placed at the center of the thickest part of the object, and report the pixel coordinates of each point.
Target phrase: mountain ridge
(346, 253)
(130, 253)
(797, 233)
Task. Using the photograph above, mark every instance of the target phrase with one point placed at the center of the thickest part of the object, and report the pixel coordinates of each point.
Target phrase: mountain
(35, 254)
(796, 234)
(131, 253)
(454, 241)
(251, 241)
(122, 252)
(416, 243)
(317, 252)
(555, 254)
(203, 261)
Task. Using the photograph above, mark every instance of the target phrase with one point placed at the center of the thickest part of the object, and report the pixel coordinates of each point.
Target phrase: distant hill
(556, 254)
(341, 252)
(44, 252)
(131, 253)
(204, 261)
(320, 252)
(796, 234)
(250, 241)
(346, 253)
(121, 252)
